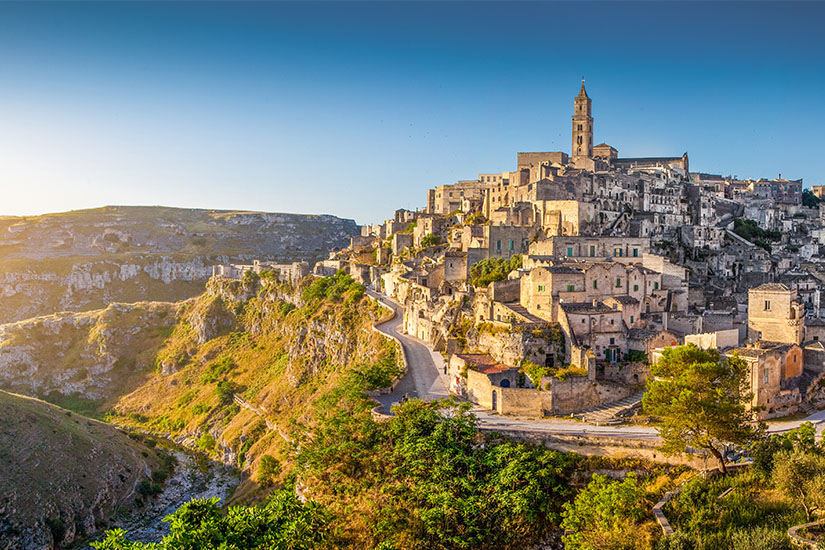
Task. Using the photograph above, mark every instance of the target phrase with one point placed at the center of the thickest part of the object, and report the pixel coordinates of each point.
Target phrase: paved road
(425, 379)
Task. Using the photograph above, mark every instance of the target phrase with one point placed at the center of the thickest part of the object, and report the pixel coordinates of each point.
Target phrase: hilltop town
(549, 289)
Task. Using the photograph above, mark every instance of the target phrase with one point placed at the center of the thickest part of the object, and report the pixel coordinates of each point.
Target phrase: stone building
(775, 314)
(775, 373)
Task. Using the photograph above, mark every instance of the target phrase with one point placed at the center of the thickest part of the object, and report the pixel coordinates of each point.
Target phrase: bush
(760, 538)
(148, 489)
(431, 240)
(268, 469)
(206, 443)
(218, 368)
(493, 269)
(225, 391)
(331, 288)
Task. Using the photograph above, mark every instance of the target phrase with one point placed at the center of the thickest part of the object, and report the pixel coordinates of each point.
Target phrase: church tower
(582, 126)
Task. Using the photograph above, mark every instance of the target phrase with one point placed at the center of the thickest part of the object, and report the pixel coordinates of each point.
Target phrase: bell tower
(582, 126)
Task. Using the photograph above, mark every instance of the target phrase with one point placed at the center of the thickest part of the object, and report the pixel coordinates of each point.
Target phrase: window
(766, 376)
(612, 341)
(595, 283)
(570, 288)
(767, 305)
(631, 319)
(655, 285)
(512, 245)
(618, 282)
(635, 252)
(635, 288)
(618, 252)
(582, 321)
(592, 250)
(541, 288)
(569, 250)
(580, 127)
(498, 246)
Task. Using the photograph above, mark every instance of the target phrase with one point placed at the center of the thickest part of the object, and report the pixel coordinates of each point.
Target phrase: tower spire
(582, 126)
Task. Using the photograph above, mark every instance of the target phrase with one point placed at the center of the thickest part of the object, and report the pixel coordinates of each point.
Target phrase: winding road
(426, 379)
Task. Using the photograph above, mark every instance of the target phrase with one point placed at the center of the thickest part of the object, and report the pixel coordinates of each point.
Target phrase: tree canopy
(700, 399)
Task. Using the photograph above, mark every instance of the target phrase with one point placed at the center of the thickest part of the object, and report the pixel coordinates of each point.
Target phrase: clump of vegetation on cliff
(493, 269)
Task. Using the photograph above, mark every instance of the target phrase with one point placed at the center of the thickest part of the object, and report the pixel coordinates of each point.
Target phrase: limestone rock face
(87, 259)
(91, 354)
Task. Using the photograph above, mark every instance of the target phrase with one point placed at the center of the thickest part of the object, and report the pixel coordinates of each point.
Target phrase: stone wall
(578, 393)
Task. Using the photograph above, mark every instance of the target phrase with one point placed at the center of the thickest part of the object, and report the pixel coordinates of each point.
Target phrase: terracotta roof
(483, 363)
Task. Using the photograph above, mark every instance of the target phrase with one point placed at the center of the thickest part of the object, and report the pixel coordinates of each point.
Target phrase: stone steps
(607, 414)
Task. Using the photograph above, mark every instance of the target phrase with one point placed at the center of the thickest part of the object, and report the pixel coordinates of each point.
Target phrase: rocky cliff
(63, 476)
(86, 259)
(89, 356)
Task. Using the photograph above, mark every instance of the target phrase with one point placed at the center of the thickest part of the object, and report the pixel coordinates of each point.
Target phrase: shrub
(218, 368)
(206, 443)
(148, 489)
(268, 469)
(760, 538)
(225, 391)
(431, 240)
(493, 269)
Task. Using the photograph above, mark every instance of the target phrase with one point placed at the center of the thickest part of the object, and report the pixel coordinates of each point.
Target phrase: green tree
(802, 438)
(603, 515)
(801, 477)
(809, 199)
(700, 399)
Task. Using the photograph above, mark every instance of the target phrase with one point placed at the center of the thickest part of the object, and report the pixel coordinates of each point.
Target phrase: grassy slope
(60, 469)
(92, 357)
(281, 362)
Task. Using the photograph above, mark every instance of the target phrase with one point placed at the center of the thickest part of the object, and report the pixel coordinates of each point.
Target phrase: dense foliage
(750, 230)
(809, 199)
(282, 523)
(700, 397)
(339, 286)
(493, 269)
(427, 479)
(752, 509)
(605, 515)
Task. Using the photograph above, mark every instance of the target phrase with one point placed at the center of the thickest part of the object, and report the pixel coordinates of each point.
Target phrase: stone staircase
(516, 307)
(605, 415)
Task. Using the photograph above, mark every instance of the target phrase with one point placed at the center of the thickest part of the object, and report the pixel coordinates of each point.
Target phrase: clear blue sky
(355, 109)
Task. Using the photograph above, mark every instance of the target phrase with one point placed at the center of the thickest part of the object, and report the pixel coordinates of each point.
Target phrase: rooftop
(772, 287)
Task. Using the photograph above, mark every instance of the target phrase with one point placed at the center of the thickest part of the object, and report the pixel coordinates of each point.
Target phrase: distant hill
(86, 259)
(62, 476)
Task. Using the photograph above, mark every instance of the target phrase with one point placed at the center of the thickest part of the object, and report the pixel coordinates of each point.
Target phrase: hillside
(63, 476)
(86, 259)
(82, 359)
(249, 368)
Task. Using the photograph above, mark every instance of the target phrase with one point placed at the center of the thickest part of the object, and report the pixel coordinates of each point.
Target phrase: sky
(356, 109)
